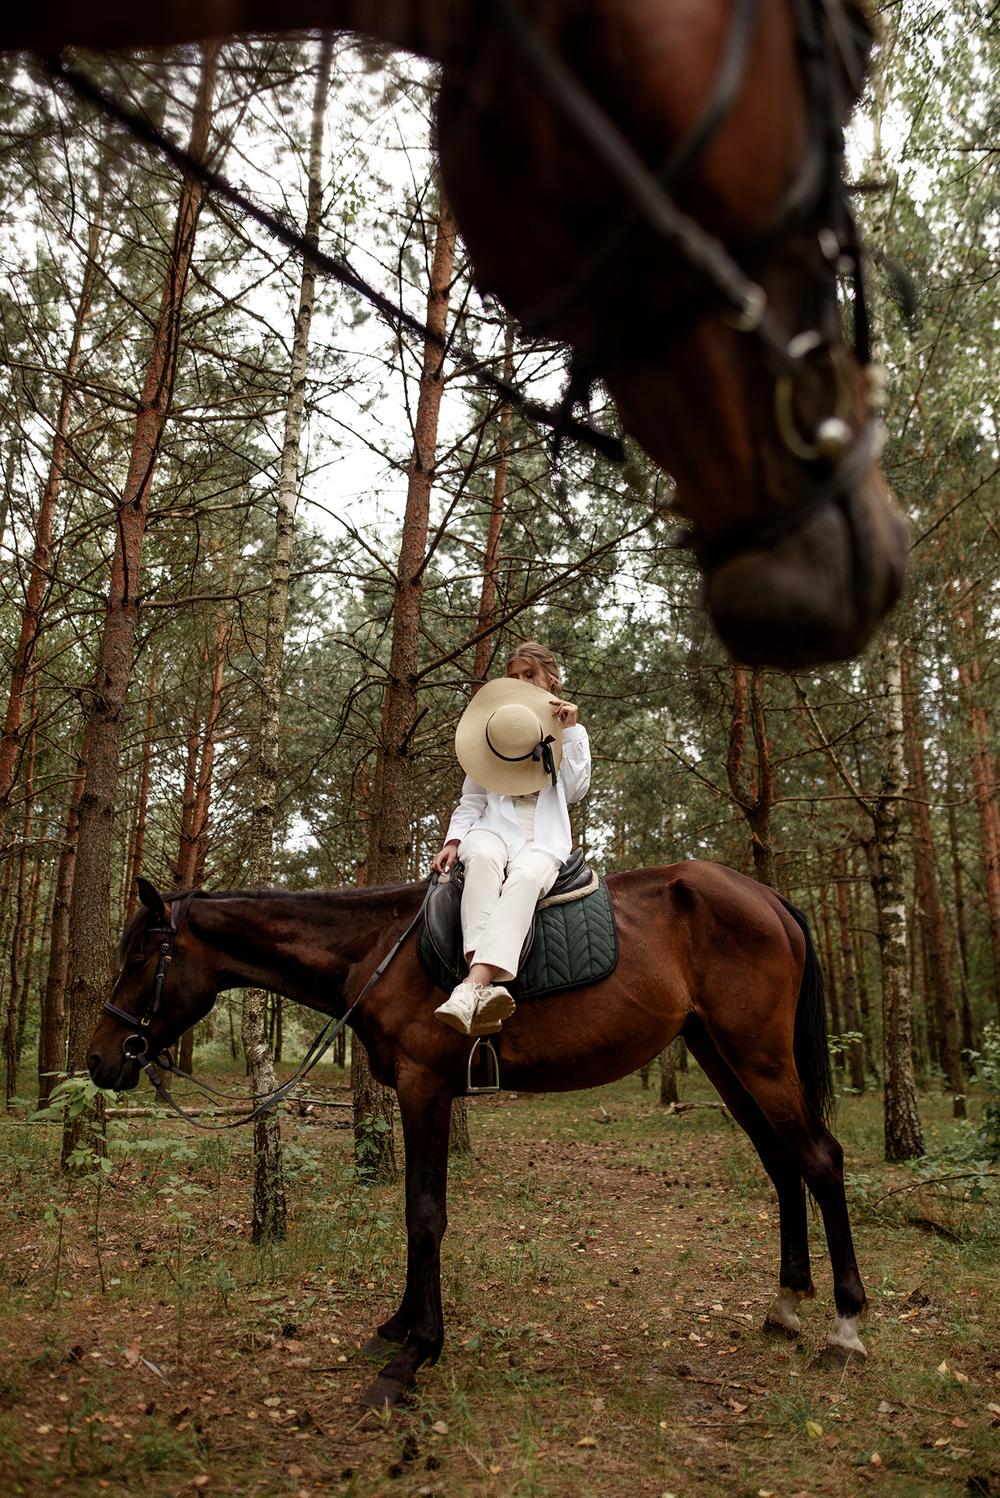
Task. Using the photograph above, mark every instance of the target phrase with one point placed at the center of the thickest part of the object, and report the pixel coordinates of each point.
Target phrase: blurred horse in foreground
(660, 184)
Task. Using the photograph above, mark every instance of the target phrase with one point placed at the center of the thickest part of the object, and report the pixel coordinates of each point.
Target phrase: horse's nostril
(93, 1064)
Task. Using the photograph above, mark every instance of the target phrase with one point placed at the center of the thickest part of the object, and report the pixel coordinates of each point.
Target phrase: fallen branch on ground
(965, 1175)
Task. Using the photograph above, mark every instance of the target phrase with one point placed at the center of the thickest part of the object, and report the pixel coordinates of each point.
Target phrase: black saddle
(443, 913)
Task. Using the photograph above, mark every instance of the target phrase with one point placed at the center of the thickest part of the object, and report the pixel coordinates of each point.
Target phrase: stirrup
(489, 1065)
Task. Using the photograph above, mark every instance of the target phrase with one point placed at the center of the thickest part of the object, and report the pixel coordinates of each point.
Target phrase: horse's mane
(139, 923)
(861, 36)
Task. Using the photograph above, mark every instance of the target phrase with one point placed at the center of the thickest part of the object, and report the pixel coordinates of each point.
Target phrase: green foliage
(986, 1076)
(369, 1133)
(840, 1044)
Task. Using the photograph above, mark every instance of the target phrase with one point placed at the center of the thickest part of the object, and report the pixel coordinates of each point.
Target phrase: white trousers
(498, 903)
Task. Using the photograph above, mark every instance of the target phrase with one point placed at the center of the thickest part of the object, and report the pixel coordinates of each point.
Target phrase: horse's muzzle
(819, 593)
(116, 1073)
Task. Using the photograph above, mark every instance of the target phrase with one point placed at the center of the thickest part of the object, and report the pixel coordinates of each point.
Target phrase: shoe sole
(454, 1023)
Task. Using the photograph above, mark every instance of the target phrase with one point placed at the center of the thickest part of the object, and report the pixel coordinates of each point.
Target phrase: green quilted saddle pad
(575, 944)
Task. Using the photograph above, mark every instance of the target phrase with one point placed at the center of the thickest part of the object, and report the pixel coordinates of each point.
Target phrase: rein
(338, 269)
(140, 1022)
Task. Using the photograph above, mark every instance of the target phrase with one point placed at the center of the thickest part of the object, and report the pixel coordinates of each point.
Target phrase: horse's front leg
(418, 1325)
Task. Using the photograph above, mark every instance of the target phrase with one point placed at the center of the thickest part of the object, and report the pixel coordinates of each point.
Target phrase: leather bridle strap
(730, 75)
(140, 1022)
(744, 298)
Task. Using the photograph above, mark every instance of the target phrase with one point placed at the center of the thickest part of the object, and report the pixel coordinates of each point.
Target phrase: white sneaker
(476, 1008)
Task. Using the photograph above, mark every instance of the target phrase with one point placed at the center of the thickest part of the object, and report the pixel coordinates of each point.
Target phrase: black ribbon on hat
(541, 753)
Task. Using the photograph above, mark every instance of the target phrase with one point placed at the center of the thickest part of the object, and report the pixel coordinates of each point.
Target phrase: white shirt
(492, 812)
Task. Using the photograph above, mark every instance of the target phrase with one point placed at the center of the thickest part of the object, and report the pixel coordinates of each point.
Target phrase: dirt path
(606, 1273)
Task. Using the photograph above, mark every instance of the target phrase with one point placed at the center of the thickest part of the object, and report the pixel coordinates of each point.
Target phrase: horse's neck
(304, 945)
(433, 27)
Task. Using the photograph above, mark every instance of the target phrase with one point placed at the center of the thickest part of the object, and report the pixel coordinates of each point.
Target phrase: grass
(605, 1274)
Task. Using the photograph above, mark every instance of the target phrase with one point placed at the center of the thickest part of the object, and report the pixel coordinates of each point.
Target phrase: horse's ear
(152, 899)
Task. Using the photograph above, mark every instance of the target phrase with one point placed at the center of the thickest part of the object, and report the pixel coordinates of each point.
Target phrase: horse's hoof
(385, 1394)
(379, 1347)
(783, 1313)
(844, 1341)
(835, 1356)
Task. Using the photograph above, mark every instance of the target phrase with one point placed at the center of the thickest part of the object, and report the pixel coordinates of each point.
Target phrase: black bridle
(835, 455)
(136, 1044)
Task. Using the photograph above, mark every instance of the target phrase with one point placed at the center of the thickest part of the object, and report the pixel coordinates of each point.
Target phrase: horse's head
(164, 986)
(663, 187)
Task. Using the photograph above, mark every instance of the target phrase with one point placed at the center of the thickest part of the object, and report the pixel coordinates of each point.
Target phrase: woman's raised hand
(566, 712)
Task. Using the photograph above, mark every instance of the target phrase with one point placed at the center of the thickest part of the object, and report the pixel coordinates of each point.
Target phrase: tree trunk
(903, 1139)
(984, 780)
(90, 955)
(22, 667)
(970, 1030)
(937, 946)
(184, 862)
(857, 866)
(52, 1023)
(17, 935)
(191, 851)
(849, 987)
(389, 845)
(203, 795)
(270, 1215)
(491, 553)
(754, 795)
(31, 958)
(668, 1075)
(139, 840)
(830, 970)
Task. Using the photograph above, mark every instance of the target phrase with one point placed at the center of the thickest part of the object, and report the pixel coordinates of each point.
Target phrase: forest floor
(606, 1271)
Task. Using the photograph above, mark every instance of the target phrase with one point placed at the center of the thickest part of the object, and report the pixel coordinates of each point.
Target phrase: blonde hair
(532, 650)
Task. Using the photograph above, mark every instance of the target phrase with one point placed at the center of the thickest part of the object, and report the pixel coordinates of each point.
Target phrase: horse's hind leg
(770, 1077)
(794, 1275)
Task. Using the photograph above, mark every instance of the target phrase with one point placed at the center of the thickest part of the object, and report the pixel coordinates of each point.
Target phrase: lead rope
(607, 445)
(317, 1050)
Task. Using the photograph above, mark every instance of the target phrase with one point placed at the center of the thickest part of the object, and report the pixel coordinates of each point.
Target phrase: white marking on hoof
(784, 1311)
(844, 1335)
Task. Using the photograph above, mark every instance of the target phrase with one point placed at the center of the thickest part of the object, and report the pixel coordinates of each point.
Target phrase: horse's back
(718, 908)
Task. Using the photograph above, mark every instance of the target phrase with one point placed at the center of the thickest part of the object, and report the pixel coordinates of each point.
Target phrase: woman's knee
(528, 881)
(483, 861)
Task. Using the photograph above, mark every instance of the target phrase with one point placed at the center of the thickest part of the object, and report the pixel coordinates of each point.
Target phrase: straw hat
(508, 739)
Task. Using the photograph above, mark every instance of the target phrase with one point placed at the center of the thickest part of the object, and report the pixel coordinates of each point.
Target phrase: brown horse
(659, 183)
(704, 952)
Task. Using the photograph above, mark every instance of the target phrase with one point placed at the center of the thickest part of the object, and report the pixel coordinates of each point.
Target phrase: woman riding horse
(528, 760)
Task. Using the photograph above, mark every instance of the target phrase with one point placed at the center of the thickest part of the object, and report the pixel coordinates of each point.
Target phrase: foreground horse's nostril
(93, 1064)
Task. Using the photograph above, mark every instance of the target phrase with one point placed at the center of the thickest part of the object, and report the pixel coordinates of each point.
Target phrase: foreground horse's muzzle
(116, 1073)
(820, 592)
(116, 1056)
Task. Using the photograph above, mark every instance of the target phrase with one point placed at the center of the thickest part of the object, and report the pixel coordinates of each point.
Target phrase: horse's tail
(812, 1051)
